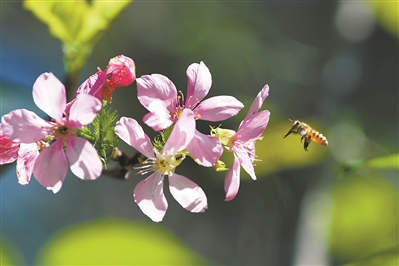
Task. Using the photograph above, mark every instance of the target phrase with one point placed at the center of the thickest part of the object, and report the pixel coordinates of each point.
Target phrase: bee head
(295, 123)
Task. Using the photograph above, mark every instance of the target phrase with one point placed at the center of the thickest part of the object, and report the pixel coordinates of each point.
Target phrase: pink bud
(121, 71)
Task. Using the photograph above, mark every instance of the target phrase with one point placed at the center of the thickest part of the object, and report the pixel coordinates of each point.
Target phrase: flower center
(180, 106)
(62, 131)
(164, 164)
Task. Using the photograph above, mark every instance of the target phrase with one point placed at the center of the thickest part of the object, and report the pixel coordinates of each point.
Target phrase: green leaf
(78, 24)
(390, 161)
(116, 242)
(102, 132)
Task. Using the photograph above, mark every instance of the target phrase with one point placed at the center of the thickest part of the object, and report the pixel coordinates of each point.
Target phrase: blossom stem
(71, 81)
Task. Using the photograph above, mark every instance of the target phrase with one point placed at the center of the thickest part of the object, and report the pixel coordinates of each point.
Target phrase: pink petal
(232, 181)
(219, 108)
(204, 149)
(49, 95)
(51, 167)
(83, 158)
(251, 129)
(27, 156)
(199, 82)
(25, 126)
(159, 117)
(156, 122)
(156, 87)
(182, 133)
(93, 85)
(8, 150)
(132, 133)
(187, 193)
(148, 194)
(257, 103)
(83, 111)
(246, 162)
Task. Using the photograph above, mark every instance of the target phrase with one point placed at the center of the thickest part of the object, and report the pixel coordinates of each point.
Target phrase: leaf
(390, 161)
(102, 128)
(62, 18)
(116, 242)
(78, 24)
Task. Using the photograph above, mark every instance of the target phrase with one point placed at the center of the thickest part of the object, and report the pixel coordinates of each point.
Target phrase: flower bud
(121, 71)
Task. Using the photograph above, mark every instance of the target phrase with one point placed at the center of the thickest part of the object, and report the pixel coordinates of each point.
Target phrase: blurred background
(331, 64)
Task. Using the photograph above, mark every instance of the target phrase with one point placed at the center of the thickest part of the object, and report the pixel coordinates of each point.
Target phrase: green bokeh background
(333, 65)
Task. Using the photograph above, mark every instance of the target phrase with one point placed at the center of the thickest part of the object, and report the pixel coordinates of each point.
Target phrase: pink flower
(24, 154)
(242, 143)
(159, 96)
(148, 193)
(23, 126)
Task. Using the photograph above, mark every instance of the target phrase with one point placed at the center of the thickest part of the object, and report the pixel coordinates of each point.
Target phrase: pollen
(163, 166)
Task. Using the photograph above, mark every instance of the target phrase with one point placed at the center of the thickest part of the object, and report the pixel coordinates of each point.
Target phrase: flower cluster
(84, 133)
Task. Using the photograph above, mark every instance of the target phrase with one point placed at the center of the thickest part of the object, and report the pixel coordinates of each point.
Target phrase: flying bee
(307, 133)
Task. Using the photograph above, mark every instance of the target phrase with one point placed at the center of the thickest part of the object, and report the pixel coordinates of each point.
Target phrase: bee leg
(306, 143)
(289, 132)
(138, 158)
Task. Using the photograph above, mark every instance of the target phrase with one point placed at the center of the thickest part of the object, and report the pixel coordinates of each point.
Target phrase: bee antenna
(292, 120)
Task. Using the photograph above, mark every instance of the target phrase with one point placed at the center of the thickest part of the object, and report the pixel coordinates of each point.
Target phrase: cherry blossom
(242, 143)
(25, 127)
(159, 96)
(148, 194)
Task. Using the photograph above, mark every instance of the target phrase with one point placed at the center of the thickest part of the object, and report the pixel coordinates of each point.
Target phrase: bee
(307, 133)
